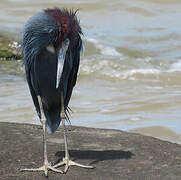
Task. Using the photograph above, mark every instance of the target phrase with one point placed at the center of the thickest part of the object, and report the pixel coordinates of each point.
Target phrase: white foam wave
(115, 69)
(135, 119)
(132, 72)
(105, 50)
(105, 68)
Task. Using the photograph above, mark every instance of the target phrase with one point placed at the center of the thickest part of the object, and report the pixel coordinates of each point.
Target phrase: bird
(51, 46)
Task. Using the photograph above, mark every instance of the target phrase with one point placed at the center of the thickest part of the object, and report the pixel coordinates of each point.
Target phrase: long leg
(66, 160)
(46, 165)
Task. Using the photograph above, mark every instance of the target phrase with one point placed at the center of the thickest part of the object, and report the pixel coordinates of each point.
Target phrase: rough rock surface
(116, 155)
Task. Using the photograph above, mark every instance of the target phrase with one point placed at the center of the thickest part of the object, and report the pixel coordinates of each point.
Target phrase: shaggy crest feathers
(66, 20)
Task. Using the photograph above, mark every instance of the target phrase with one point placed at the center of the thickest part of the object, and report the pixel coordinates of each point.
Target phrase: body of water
(130, 74)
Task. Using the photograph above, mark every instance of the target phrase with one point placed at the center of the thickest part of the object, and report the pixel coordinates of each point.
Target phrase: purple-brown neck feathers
(66, 20)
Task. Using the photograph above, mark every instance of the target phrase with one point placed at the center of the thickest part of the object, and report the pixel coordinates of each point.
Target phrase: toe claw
(69, 163)
(44, 168)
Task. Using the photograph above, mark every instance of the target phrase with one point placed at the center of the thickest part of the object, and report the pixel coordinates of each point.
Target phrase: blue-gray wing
(40, 31)
(75, 59)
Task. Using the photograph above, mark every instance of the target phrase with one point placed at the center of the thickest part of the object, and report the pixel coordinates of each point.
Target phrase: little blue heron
(51, 46)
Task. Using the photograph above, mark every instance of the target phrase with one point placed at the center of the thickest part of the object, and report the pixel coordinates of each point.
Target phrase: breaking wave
(105, 50)
(118, 69)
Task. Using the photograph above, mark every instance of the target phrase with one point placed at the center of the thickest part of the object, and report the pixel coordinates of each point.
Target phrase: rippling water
(130, 75)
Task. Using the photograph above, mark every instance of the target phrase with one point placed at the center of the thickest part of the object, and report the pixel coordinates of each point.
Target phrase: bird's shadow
(96, 156)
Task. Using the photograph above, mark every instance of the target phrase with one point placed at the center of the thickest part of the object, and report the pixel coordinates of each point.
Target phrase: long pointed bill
(82, 49)
(61, 60)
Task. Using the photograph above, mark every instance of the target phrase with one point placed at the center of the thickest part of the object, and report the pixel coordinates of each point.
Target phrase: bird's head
(68, 35)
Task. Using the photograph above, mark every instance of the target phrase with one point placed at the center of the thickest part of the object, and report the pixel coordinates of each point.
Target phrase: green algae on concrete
(9, 49)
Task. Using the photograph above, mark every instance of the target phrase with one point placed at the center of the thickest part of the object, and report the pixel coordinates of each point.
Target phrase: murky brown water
(130, 75)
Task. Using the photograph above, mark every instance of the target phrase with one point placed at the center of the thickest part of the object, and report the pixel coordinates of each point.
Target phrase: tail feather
(53, 120)
(52, 128)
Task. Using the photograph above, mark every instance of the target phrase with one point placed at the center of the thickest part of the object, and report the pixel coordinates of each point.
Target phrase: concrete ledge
(117, 155)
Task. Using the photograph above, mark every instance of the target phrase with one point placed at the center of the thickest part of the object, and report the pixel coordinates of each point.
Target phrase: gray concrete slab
(116, 155)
